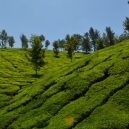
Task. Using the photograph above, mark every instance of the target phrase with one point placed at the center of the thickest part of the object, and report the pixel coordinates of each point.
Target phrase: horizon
(55, 19)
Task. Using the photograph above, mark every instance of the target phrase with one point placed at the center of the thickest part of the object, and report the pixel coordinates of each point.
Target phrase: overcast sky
(56, 18)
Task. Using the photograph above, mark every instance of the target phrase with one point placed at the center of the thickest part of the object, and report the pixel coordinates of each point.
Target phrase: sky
(57, 18)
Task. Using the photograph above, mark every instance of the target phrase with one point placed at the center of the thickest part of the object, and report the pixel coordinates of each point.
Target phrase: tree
(70, 45)
(126, 24)
(24, 41)
(116, 39)
(94, 35)
(37, 54)
(123, 37)
(42, 38)
(31, 40)
(105, 39)
(47, 43)
(11, 41)
(80, 40)
(61, 44)
(3, 38)
(100, 43)
(86, 46)
(56, 48)
(110, 36)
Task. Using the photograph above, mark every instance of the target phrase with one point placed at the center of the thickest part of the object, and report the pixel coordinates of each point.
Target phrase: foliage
(31, 40)
(80, 40)
(70, 45)
(56, 48)
(100, 43)
(110, 36)
(24, 41)
(42, 38)
(105, 39)
(3, 38)
(86, 45)
(126, 24)
(11, 41)
(47, 43)
(37, 54)
(94, 35)
(61, 44)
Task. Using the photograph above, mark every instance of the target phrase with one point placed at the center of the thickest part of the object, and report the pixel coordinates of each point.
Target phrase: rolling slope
(90, 93)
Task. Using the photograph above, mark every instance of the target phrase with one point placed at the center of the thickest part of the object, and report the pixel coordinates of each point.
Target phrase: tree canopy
(37, 54)
(11, 41)
(126, 24)
(47, 43)
(24, 41)
(70, 45)
(94, 35)
(110, 36)
(56, 48)
(3, 38)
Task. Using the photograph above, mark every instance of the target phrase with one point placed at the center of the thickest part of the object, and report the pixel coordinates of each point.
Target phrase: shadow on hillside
(37, 76)
(56, 56)
(85, 53)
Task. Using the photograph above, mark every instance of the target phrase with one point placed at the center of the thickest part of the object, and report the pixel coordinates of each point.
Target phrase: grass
(91, 92)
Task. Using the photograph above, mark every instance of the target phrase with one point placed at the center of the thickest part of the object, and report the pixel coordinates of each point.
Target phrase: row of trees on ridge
(90, 41)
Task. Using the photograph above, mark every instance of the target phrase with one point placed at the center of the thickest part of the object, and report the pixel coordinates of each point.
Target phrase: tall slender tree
(24, 41)
(86, 46)
(11, 41)
(42, 38)
(70, 45)
(47, 43)
(80, 40)
(61, 44)
(94, 35)
(100, 44)
(105, 39)
(37, 54)
(126, 24)
(31, 39)
(56, 48)
(110, 36)
(3, 38)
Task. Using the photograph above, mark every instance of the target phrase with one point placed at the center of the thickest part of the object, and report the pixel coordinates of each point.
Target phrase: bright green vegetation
(92, 92)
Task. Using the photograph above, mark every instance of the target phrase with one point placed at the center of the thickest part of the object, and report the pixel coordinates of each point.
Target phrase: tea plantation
(92, 92)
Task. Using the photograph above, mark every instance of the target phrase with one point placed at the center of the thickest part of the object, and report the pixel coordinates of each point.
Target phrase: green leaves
(70, 46)
(24, 41)
(56, 48)
(3, 38)
(126, 23)
(94, 35)
(37, 54)
(100, 43)
(47, 43)
(110, 36)
(11, 41)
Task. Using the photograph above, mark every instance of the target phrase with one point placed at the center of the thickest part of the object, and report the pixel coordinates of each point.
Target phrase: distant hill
(92, 92)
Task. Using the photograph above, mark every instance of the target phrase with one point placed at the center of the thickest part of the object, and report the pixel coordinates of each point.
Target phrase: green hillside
(92, 92)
